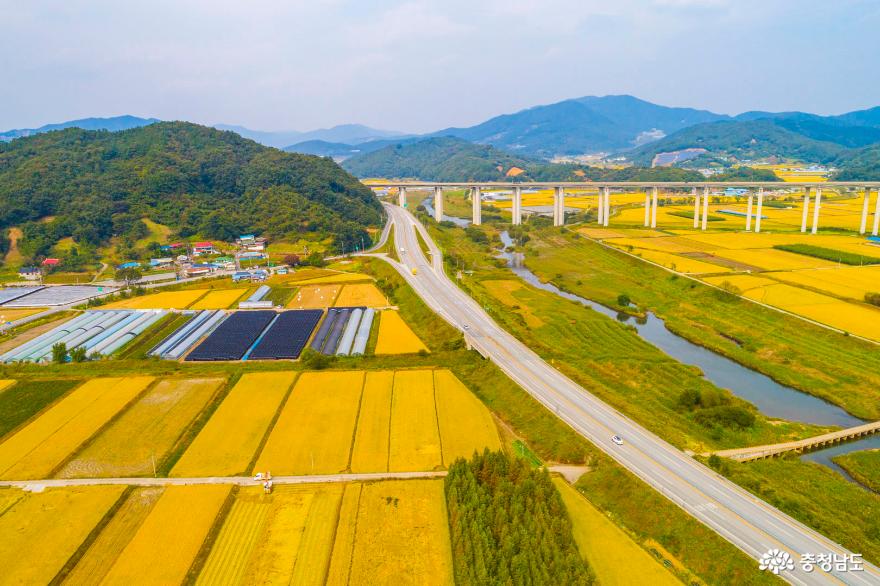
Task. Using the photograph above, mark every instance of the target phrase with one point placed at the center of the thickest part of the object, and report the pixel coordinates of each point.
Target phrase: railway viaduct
(699, 191)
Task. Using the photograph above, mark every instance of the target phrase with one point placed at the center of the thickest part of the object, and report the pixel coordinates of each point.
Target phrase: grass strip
(838, 256)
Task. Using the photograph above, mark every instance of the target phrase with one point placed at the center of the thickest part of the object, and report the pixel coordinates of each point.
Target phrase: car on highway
(617, 440)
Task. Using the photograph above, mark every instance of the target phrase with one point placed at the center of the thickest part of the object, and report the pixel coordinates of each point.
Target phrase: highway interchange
(746, 521)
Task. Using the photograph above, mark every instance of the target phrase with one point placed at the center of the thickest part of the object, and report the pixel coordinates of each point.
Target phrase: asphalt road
(746, 521)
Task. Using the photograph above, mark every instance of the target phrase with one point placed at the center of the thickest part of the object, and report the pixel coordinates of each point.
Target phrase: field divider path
(39, 485)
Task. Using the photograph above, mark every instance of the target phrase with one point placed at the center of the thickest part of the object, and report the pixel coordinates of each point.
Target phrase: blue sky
(422, 65)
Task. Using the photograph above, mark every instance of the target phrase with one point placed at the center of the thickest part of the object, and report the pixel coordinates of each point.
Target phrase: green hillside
(95, 185)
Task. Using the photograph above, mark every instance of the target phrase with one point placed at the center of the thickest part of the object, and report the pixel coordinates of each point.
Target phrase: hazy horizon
(420, 66)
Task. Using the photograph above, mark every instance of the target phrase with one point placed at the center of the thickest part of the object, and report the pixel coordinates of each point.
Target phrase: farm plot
(114, 537)
(370, 451)
(287, 336)
(233, 337)
(238, 538)
(303, 440)
(464, 422)
(852, 282)
(343, 543)
(774, 260)
(415, 436)
(395, 337)
(40, 532)
(314, 297)
(402, 535)
(165, 545)
(10, 315)
(41, 446)
(163, 300)
(227, 443)
(22, 401)
(361, 294)
(141, 437)
(5, 384)
(681, 264)
(616, 559)
(220, 299)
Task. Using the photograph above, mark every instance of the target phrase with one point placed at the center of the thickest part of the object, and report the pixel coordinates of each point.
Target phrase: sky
(418, 66)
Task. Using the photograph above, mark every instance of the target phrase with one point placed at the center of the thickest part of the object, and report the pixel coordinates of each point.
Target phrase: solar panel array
(11, 293)
(233, 337)
(61, 295)
(287, 337)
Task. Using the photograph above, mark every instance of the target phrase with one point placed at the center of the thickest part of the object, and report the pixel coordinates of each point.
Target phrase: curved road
(735, 514)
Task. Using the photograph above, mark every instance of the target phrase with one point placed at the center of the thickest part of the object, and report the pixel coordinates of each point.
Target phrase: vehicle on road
(617, 440)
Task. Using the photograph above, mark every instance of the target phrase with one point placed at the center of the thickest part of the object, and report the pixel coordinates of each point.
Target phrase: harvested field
(221, 299)
(163, 300)
(314, 297)
(276, 554)
(114, 537)
(165, 545)
(143, 435)
(402, 535)
(37, 449)
(465, 423)
(415, 437)
(227, 443)
(613, 556)
(395, 337)
(370, 452)
(303, 441)
(361, 295)
(40, 532)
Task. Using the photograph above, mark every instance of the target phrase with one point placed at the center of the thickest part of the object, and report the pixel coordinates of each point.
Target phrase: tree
(292, 260)
(78, 354)
(59, 353)
(623, 300)
(128, 275)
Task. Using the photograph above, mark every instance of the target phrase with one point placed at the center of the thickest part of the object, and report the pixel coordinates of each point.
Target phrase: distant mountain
(340, 150)
(344, 133)
(584, 125)
(113, 124)
(859, 164)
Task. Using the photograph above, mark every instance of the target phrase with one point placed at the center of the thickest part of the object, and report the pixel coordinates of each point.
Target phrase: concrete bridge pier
(816, 207)
(806, 212)
(696, 208)
(867, 200)
(876, 216)
(476, 205)
(705, 218)
(438, 203)
(558, 206)
(647, 209)
(760, 209)
(517, 206)
(653, 207)
(600, 208)
(401, 196)
(607, 200)
(749, 213)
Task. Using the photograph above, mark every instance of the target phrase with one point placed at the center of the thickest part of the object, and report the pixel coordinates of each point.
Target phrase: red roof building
(50, 262)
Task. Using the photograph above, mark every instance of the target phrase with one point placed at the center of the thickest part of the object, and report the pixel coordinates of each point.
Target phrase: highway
(746, 521)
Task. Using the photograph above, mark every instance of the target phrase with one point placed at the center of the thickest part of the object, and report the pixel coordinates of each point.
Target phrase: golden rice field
(5, 384)
(613, 556)
(167, 542)
(228, 442)
(114, 537)
(315, 546)
(681, 264)
(334, 277)
(41, 531)
(303, 441)
(402, 535)
(415, 437)
(314, 297)
(219, 299)
(849, 282)
(395, 336)
(464, 422)
(361, 294)
(343, 542)
(504, 290)
(238, 538)
(163, 300)
(142, 436)
(41, 446)
(370, 449)
(770, 259)
(10, 314)
(861, 320)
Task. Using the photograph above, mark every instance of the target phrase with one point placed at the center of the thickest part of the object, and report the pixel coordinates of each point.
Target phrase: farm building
(29, 273)
(161, 262)
(203, 248)
(129, 265)
(50, 262)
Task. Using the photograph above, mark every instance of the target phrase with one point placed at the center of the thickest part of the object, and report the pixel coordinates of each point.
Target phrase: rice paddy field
(382, 421)
(11, 314)
(229, 441)
(314, 297)
(614, 557)
(361, 294)
(37, 449)
(821, 290)
(163, 300)
(140, 439)
(395, 336)
(220, 299)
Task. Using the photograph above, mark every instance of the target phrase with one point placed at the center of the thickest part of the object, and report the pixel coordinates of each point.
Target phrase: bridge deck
(768, 451)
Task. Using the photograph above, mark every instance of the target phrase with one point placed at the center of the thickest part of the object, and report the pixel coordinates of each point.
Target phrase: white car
(617, 440)
(466, 326)
(402, 249)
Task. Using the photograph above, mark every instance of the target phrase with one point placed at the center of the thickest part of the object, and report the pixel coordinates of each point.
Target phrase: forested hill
(93, 185)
